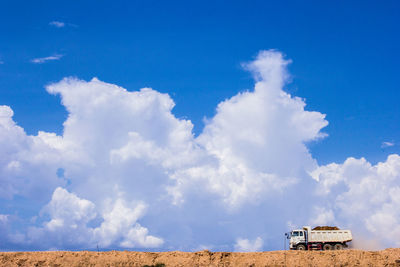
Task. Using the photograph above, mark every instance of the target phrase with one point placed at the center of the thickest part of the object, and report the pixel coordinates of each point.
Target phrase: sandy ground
(387, 257)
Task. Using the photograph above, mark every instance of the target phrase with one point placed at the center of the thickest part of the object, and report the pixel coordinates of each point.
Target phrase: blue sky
(344, 64)
(344, 59)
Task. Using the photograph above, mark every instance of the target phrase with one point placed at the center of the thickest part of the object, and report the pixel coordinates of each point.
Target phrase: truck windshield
(295, 233)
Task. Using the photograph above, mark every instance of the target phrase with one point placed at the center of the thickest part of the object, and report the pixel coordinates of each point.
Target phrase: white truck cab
(297, 237)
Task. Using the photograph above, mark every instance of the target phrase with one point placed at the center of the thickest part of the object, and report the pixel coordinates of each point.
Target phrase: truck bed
(330, 236)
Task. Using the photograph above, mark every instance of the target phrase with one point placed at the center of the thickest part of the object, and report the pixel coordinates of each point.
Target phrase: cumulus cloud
(245, 245)
(135, 176)
(256, 141)
(364, 196)
(120, 223)
(68, 226)
(42, 60)
(322, 216)
(26, 162)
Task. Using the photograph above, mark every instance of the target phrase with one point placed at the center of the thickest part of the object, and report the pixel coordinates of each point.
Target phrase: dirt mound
(325, 228)
(387, 257)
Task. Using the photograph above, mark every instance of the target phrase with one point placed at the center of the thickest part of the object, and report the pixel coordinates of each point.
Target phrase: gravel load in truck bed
(325, 228)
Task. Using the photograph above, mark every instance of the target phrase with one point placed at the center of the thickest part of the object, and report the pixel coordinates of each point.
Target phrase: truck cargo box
(330, 236)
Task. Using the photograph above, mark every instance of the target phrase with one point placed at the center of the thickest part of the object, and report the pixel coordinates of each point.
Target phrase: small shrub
(155, 265)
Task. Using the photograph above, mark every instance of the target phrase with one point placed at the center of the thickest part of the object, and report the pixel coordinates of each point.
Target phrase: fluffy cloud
(67, 210)
(126, 173)
(365, 196)
(245, 245)
(69, 224)
(256, 141)
(322, 216)
(26, 162)
(120, 223)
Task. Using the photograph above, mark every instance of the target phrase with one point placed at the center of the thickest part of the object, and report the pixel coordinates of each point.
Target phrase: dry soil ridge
(387, 257)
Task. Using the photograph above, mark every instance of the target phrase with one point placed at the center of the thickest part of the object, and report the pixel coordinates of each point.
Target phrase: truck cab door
(302, 237)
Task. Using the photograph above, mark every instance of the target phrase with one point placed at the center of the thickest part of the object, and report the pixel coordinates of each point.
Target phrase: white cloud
(256, 141)
(322, 216)
(120, 223)
(57, 24)
(60, 24)
(45, 59)
(246, 245)
(69, 218)
(126, 158)
(364, 197)
(67, 210)
(387, 144)
(27, 163)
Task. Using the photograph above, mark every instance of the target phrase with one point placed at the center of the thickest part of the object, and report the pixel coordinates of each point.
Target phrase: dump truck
(319, 238)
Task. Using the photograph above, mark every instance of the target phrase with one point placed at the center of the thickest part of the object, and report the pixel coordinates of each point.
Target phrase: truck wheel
(338, 247)
(327, 247)
(301, 247)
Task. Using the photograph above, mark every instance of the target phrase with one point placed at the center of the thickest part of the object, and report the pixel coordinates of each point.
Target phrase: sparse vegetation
(155, 265)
